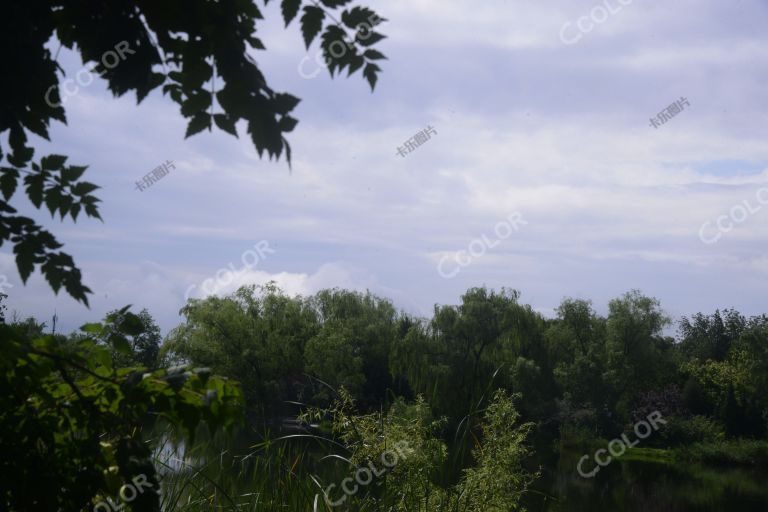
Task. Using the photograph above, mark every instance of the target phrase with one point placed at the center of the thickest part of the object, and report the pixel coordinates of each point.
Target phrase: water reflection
(648, 487)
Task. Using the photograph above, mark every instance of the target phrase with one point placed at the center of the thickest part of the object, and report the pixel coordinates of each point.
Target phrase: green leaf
(91, 211)
(84, 188)
(121, 345)
(196, 103)
(52, 197)
(287, 151)
(370, 74)
(91, 328)
(288, 123)
(372, 54)
(53, 162)
(74, 210)
(290, 9)
(357, 15)
(256, 43)
(53, 276)
(370, 38)
(311, 23)
(20, 157)
(199, 122)
(355, 63)
(335, 3)
(176, 95)
(73, 172)
(284, 103)
(65, 203)
(35, 184)
(25, 258)
(131, 325)
(224, 122)
(37, 126)
(8, 181)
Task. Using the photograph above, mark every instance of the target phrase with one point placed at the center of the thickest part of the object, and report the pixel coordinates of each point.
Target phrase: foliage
(577, 342)
(198, 51)
(216, 473)
(638, 356)
(268, 341)
(579, 370)
(257, 336)
(685, 431)
(495, 482)
(746, 452)
(582, 376)
(488, 340)
(352, 346)
(71, 422)
(144, 346)
(498, 481)
(710, 337)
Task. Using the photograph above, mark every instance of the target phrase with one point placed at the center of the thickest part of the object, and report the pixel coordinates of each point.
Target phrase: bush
(71, 423)
(685, 431)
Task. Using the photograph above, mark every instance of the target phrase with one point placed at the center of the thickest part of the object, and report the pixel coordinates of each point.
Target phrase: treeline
(463, 389)
(578, 373)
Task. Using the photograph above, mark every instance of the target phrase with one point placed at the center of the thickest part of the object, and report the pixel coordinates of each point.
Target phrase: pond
(648, 487)
(623, 485)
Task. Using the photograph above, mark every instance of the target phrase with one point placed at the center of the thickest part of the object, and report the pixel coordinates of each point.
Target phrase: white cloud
(524, 123)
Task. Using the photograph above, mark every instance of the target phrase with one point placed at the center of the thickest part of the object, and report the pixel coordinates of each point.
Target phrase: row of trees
(580, 369)
(82, 401)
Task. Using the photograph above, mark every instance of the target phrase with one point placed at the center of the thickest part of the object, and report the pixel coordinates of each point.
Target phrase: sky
(548, 168)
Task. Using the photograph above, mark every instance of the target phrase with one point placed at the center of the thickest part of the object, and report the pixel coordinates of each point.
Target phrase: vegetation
(71, 421)
(360, 377)
(338, 401)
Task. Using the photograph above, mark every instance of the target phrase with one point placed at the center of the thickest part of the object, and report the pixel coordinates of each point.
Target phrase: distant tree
(30, 327)
(256, 335)
(639, 357)
(734, 389)
(577, 341)
(352, 346)
(199, 51)
(710, 337)
(487, 341)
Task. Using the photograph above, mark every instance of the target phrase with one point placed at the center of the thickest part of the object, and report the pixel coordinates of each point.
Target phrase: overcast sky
(537, 110)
